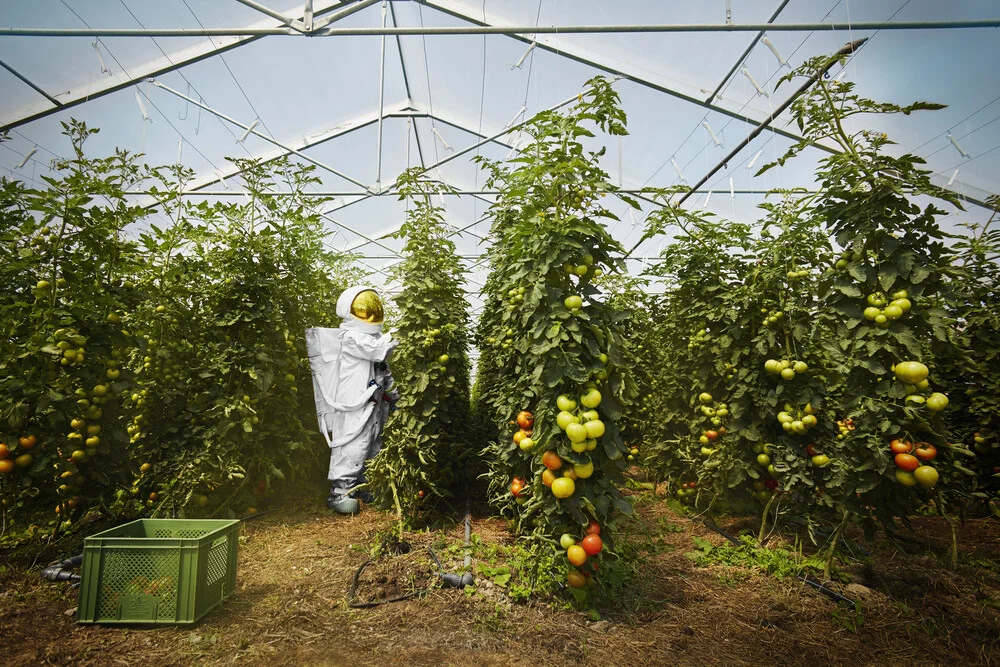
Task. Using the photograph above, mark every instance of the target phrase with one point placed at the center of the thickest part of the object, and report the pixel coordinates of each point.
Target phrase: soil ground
(296, 566)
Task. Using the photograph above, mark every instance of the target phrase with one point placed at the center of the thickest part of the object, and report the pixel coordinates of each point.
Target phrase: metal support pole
(504, 30)
(31, 85)
(381, 94)
(344, 13)
(307, 16)
(495, 136)
(844, 50)
(159, 67)
(453, 193)
(406, 84)
(746, 53)
(258, 134)
(263, 9)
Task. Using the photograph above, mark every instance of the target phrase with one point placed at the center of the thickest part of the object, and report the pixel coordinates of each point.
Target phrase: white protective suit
(352, 385)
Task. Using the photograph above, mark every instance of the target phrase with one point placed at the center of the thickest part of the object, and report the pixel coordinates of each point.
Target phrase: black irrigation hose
(829, 592)
(62, 571)
(352, 603)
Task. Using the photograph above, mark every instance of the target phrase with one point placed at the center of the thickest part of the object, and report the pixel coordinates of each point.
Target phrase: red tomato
(592, 544)
(593, 528)
(925, 451)
(712, 435)
(907, 462)
(525, 419)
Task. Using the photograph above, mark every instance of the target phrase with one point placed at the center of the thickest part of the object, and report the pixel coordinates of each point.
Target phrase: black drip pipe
(62, 571)
(829, 592)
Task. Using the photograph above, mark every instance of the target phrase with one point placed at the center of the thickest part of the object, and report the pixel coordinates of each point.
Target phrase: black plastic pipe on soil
(63, 570)
(830, 593)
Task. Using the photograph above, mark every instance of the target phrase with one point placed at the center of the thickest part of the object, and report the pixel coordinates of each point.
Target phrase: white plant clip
(732, 189)
(142, 107)
(27, 156)
(708, 127)
(440, 138)
(677, 168)
(520, 62)
(222, 179)
(840, 75)
(774, 50)
(954, 175)
(635, 223)
(180, 150)
(708, 198)
(954, 142)
(100, 58)
(246, 133)
(516, 116)
(753, 82)
(513, 149)
(753, 160)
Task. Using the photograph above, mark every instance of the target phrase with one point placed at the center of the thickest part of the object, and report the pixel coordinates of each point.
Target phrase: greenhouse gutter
(502, 30)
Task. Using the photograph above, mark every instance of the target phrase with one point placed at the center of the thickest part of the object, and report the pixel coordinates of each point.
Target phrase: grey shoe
(344, 505)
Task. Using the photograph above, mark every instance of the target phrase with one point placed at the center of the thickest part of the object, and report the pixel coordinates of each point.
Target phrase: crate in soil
(163, 571)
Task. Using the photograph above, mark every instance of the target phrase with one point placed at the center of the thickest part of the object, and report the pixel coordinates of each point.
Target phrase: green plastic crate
(162, 571)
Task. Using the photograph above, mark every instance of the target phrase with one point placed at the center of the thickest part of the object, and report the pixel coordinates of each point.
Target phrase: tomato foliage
(783, 391)
(973, 371)
(228, 290)
(425, 448)
(64, 263)
(159, 375)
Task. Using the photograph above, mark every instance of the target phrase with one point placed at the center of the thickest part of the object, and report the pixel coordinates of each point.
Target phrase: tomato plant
(425, 449)
(64, 261)
(228, 289)
(550, 343)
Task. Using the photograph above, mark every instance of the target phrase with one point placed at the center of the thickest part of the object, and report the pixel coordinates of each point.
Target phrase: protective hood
(344, 310)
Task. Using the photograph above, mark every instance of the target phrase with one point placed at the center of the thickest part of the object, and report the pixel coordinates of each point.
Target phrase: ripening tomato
(925, 451)
(900, 446)
(576, 579)
(551, 460)
(592, 544)
(576, 555)
(907, 462)
(593, 528)
(525, 419)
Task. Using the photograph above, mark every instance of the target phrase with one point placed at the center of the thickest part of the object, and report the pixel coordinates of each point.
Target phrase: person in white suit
(353, 389)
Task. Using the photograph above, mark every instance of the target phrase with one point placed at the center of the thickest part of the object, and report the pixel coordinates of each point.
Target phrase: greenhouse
(449, 332)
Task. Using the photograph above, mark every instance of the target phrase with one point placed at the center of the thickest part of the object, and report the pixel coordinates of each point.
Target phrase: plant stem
(953, 550)
(834, 539)
(763, 518)
(399, 508)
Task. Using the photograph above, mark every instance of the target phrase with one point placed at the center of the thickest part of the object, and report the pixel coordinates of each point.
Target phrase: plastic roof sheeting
(441, 94)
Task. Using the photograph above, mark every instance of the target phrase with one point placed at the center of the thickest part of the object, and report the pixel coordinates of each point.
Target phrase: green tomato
(937, 402)
(926, 476)
(911, 372)
(821, 460)
(565, 403)
(591, 399)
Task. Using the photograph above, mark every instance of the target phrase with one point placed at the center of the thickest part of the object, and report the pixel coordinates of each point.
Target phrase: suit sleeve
(366, 346)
